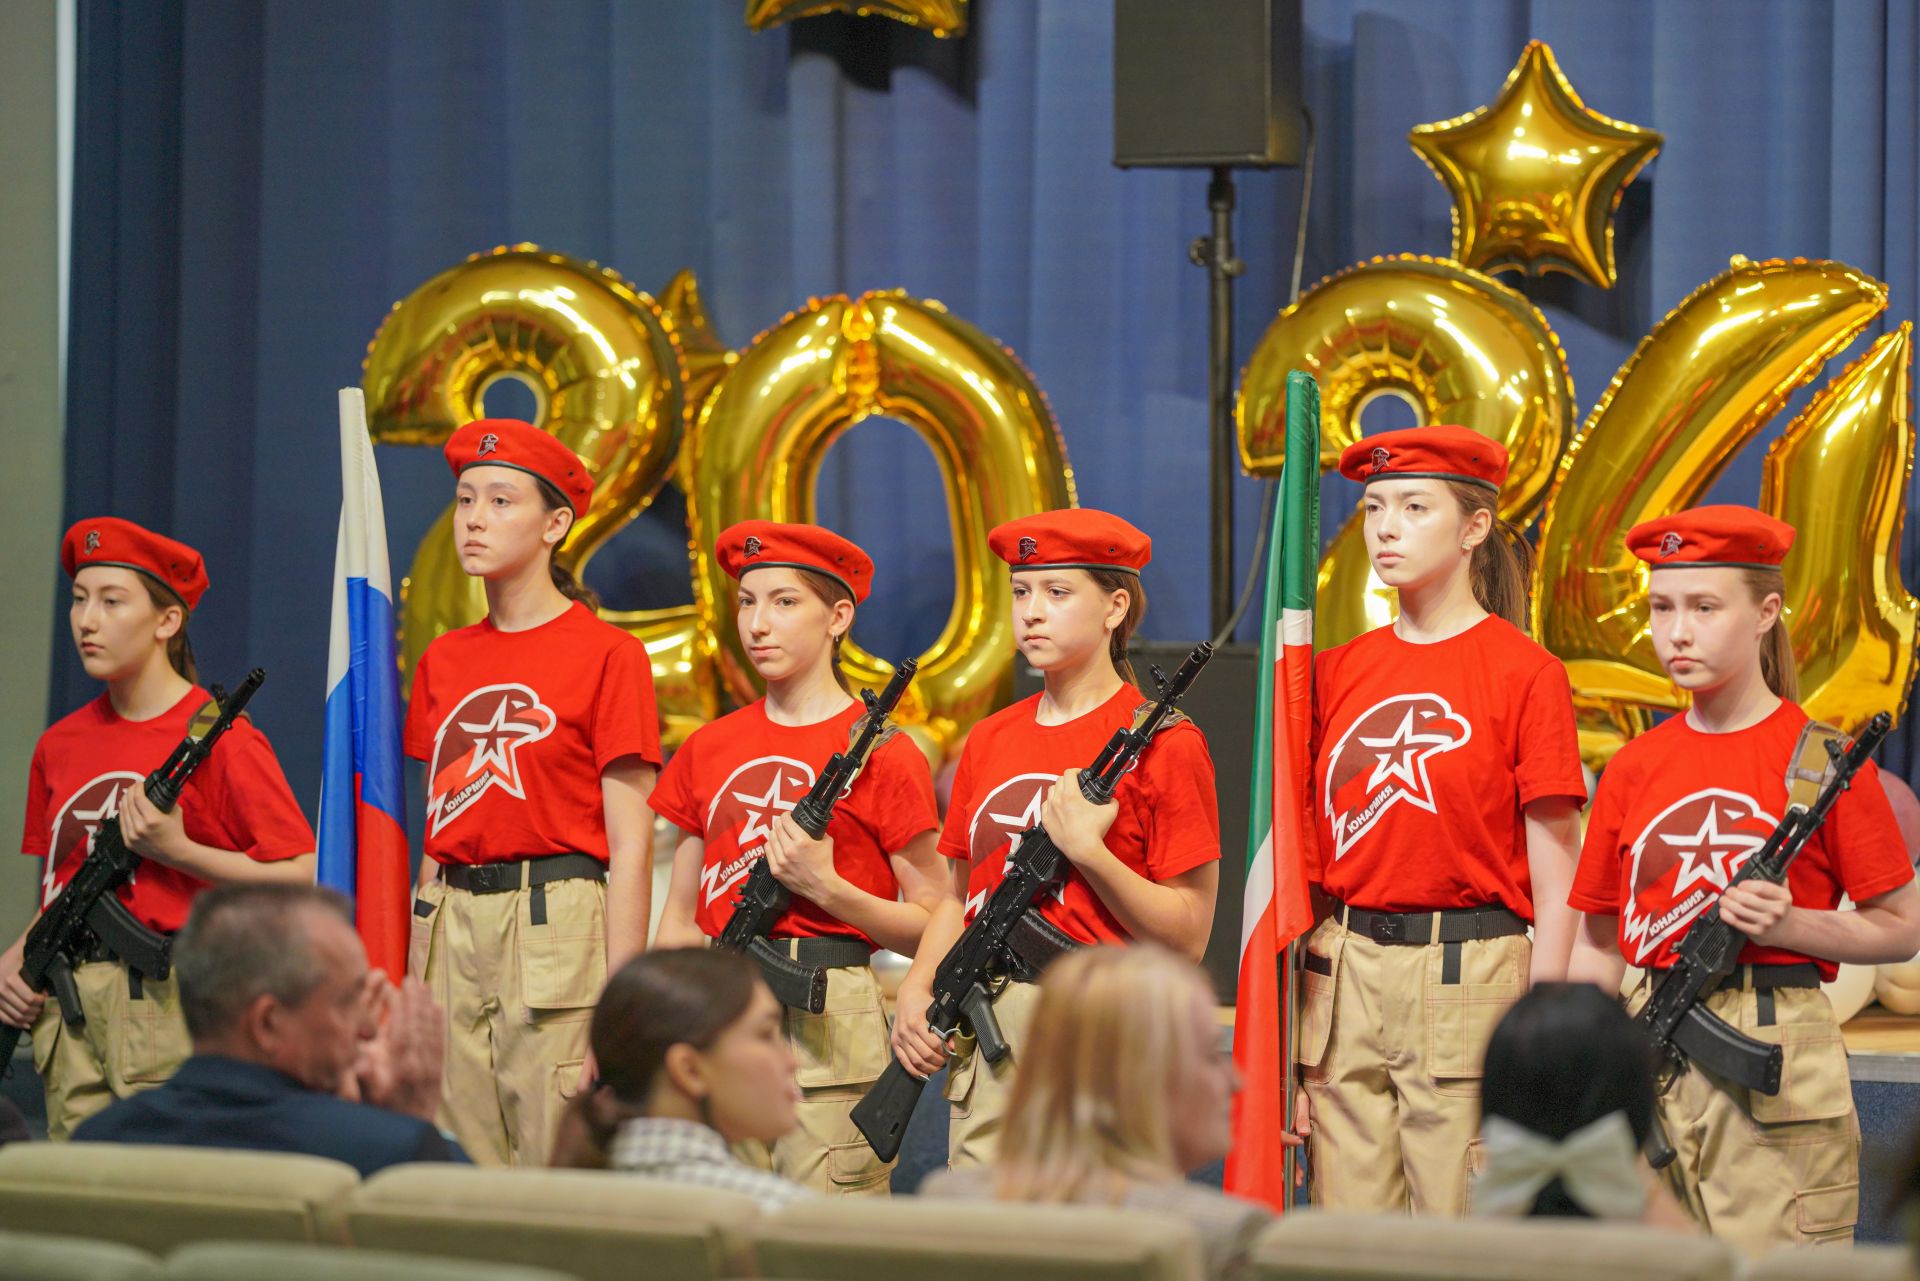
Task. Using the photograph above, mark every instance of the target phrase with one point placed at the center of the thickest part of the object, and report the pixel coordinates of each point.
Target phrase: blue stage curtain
(256, 184)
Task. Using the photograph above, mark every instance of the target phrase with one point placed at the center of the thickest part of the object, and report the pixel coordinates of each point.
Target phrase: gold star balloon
(1536, 175)
(941, 17)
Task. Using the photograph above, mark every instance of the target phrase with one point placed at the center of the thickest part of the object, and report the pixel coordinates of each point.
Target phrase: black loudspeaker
(1222, 704)
(1199, 83)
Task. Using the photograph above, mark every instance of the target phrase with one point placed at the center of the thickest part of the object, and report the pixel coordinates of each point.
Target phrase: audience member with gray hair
(298, 1046)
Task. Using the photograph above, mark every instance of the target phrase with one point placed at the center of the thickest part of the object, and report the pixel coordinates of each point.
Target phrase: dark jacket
(215, 1102)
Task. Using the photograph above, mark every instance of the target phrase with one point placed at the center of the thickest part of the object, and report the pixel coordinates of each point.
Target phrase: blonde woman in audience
(693, 1058)
(1123, 1089)
(1565, 1104)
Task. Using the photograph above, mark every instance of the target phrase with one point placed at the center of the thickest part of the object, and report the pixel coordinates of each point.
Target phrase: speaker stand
(1215, 253)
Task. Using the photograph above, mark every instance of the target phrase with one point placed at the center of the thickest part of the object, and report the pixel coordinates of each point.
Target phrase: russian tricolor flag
(363, 830)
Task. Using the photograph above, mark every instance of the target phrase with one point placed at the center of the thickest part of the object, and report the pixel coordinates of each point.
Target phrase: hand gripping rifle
(86, 913)
(763, 899)
(1005, 931)
(1684, 1031)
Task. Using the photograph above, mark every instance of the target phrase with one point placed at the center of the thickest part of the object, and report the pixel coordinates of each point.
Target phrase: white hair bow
(1598, 1164)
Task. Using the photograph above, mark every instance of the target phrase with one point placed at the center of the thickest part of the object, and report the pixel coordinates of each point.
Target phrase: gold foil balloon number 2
(1463, 348)
(645, 393)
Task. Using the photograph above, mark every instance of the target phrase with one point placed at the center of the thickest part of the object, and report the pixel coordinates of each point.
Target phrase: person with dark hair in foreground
(297, 1045)
(1565, 1104)
(693, 1057)
(1123, 1090)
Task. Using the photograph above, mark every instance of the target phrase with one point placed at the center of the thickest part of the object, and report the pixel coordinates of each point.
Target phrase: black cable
(1257, 565)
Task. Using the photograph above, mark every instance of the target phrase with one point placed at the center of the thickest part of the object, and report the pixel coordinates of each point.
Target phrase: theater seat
(592, 1224)
(250, 1261)
(156, 1198)
(1345, 1247)
(34, 1256)
(1861, 1263)
(873, 1240)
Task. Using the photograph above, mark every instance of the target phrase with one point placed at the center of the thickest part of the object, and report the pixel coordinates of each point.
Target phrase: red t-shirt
(1169, 819)
(731, 778)
(516, 729)
(1425, 755)
(1679, 811)
(237, 800)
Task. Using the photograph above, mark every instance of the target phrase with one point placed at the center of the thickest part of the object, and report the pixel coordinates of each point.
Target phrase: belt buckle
(1388, 928)
(492, 878)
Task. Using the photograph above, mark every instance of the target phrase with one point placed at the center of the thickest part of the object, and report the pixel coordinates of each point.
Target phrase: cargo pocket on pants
(1469, 986)
(847, 1043)
(854, 1170)
(1826, 1216)
(1319, 981)
(1815, 1084)
(563, 946)
(426, 912)
(152, 1038)
(957, 1090)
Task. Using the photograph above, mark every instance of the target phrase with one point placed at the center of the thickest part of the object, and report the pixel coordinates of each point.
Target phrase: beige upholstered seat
(32, 1256)
(595, 1225)
(253, 1261)
(1344, 1247)
(926, 1240)
(156, 1198)
(1862, 1263)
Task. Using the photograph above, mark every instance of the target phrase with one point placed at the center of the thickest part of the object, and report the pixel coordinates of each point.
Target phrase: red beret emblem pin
(93, 541)
(489, 443)
(1379, 457)
(1669, 544)
(752, 547)
(1028, 549)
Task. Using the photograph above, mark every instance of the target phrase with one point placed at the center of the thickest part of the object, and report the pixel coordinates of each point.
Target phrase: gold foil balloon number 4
(764, 434)
(605, 369)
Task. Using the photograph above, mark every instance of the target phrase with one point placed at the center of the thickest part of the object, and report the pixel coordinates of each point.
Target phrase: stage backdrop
(257, 183)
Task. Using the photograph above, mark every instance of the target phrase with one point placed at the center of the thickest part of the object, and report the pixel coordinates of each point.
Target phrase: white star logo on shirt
(762, 810)
(1402, 753)
(1026, 818)
(493, 741)
(92, 819)
(1707, 855)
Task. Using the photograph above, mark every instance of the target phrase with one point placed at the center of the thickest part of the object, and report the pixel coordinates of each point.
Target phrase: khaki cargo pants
(518, 974)
(977, 1091)
(1762, 1171)
(1390, 1047)
(129, 1043)
(838, 1054)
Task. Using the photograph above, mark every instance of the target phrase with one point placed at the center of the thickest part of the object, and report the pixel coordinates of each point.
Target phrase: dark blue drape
(257, 183)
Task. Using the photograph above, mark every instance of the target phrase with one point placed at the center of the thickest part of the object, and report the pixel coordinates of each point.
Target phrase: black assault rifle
(86, 916)
(1006, 938)
(1683, 1030)
(763, 899)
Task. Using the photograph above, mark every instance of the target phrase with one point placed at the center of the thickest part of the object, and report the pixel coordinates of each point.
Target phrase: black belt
(522, 873)
(1416, 929)
(1769, 978)
(827, 953)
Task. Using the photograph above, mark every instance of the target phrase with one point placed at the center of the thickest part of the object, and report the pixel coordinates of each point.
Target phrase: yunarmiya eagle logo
(78, 822)
(1682, 861)
(478, 749)
(1381, 761)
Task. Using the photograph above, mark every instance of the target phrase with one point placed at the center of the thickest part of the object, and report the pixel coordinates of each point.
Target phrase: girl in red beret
(1448, 786)
(1144, 866)
(133, 593)
(538, 728)
(870, 882)
(1678, 812)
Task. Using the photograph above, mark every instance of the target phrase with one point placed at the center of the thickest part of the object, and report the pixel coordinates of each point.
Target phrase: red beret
(108, 540)
(1722, 535)
(508, 442)
(1439, 453)
(758, 544)
(1071, 538)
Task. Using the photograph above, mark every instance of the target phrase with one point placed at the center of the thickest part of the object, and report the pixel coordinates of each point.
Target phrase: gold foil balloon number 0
(764, 434)
(607, 373)
(1464, 349)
